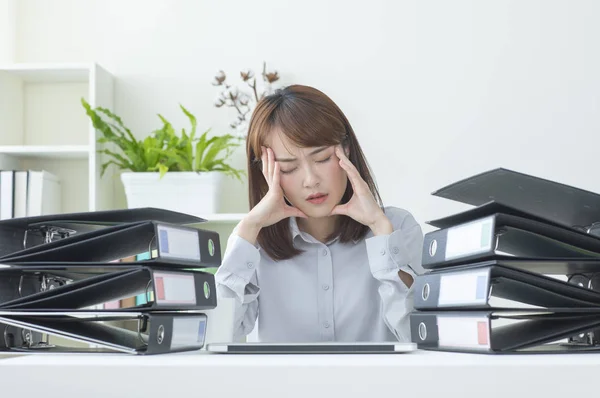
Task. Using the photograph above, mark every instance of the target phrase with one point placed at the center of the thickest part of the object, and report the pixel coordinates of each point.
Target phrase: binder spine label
(470, 238)
(463, 332)
(173, 288)
(188, 332)
(464, 288)
(178, 243)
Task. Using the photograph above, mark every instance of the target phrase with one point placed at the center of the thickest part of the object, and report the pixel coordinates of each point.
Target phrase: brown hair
(308, 118)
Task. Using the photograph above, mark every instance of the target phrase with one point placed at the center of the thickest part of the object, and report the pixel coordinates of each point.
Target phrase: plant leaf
(162, 169)
(162, 150)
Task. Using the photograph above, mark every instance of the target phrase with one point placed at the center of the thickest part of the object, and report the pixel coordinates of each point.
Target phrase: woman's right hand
(272, 208)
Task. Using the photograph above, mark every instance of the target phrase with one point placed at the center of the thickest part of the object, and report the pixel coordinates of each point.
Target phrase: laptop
(312, 348)
(219, 340)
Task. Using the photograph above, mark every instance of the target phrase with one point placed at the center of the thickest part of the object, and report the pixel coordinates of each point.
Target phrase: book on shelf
(29, 193)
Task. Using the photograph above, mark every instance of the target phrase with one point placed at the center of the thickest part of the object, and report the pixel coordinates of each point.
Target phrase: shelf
(43, 126)
(223, 217)
(47, 151)
(50, 73)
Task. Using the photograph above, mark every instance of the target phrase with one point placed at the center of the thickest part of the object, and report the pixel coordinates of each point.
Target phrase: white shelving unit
(43, 126)
(224, 218)
(47, 152)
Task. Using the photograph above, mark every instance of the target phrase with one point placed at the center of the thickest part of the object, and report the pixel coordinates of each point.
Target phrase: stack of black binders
(517, 273)
(58, 272)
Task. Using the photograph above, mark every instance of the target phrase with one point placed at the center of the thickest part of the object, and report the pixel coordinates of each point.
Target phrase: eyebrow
(294, 159)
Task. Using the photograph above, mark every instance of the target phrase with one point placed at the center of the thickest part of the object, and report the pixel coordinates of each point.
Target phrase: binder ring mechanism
(47, 283)
(27, 338)
(48, 232)
(592, 229)
(587, 281)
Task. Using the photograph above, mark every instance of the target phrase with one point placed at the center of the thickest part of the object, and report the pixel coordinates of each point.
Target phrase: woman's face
(311, 178)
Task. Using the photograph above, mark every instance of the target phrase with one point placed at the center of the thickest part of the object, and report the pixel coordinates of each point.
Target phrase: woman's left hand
(362, 206)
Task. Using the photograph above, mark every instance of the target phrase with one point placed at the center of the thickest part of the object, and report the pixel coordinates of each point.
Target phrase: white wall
(436, 90)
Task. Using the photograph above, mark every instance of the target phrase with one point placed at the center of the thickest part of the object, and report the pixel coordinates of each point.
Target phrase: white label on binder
(173, 288)
(470, 238)
(464, 288)
(188, 331)
(463, 332)
(178, 243)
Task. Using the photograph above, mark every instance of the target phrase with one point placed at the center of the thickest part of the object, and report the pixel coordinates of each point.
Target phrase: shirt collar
(294, 227)
(295, 230)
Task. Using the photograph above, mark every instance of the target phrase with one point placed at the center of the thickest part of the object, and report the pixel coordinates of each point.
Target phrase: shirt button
(326, 325)
(382, 252)
(325, 287)
(250, 265)
(396, 250)
(324, 252)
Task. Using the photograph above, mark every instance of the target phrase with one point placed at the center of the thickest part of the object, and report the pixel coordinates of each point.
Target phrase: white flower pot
(185, 192)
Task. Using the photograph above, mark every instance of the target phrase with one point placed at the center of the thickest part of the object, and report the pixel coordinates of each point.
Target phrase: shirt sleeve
(236, 278)
(388, 254)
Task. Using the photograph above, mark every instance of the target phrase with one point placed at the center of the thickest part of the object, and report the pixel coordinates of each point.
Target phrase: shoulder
(401, 218)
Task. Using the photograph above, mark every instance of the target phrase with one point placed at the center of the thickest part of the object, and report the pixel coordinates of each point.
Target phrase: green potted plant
(165, 170)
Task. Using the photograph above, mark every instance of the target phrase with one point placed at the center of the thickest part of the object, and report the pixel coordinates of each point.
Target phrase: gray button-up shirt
(330, 292)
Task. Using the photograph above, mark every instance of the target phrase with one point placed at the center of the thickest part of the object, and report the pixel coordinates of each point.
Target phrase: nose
(311, 178)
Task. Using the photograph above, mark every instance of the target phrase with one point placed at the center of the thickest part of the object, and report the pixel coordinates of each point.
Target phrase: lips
(315, 195)
(317, 198)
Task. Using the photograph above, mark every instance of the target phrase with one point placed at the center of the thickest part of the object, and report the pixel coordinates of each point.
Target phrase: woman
(318, 257)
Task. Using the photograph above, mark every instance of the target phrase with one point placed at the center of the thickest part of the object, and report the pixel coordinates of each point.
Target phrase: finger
(270, 166)
(345, 161)
(340, 209)
(294, 212)
(276, 174)
(353, 174)
(263, 159)
(339, 151)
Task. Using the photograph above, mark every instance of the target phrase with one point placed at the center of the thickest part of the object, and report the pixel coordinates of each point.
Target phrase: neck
(319, 228)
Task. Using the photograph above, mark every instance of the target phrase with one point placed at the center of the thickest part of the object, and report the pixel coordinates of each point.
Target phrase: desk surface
(200, 360)
(419, 374)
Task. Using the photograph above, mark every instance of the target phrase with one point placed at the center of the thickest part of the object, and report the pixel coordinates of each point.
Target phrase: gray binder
(503, 332)
(567, 205)
(505, 283)
(504, 235)
(134, 332)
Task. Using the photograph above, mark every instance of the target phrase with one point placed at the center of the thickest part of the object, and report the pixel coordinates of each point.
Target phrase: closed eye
(288, 171)
(295, 168)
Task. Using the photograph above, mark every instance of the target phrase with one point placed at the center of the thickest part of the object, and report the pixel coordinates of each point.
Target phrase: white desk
(415, 375)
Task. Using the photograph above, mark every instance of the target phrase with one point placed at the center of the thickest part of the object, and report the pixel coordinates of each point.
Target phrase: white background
(435, 90)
